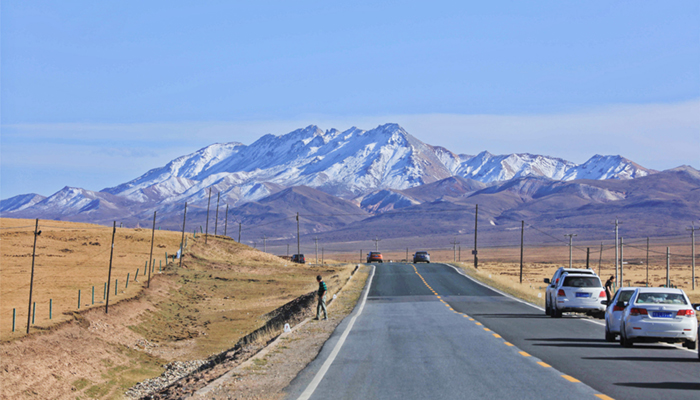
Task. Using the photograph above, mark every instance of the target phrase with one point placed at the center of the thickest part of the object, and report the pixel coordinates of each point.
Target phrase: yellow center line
(604, 397)
(570, 378)
(544, 364)
(466, 316)
(471, 319)
(496, 335)
(508, 344)
(524, 354)
(487, 329)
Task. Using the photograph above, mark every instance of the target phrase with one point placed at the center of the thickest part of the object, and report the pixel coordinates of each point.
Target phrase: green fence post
(104, 293)
(153, 265)
(33, 312)
(14, 315)
(136, 278)
(127, 281)
(50, 308)
(78, 299)
(116, 282)
(93, 295)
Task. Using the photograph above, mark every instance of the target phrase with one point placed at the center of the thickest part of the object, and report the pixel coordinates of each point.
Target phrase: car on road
(659, 315)
(578, 293)
(614, 310)
(550, 297)
(299, 258)
(421, 256)
(375, 256)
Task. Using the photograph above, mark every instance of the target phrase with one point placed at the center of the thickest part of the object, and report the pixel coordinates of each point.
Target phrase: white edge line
(327, 364)
(459, 271)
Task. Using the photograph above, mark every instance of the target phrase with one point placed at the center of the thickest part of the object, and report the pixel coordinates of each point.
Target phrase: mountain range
(356, 177)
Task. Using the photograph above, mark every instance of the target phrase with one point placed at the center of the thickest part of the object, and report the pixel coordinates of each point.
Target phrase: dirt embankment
(224, 292)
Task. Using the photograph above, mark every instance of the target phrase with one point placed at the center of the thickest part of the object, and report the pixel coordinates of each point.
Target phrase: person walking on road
(322, 289)
(608, 287)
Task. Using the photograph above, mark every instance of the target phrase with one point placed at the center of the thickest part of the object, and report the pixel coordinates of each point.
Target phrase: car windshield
(661, 298)
(421, 253)
(581, 281)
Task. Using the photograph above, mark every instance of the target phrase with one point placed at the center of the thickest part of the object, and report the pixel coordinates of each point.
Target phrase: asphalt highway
(426, 332)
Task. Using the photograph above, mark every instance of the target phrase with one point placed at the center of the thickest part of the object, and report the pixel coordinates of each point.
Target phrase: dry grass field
(70, 257)
(224, 291)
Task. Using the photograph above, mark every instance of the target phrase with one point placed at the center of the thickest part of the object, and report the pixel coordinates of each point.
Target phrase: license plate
(583, 295)
(661, 314)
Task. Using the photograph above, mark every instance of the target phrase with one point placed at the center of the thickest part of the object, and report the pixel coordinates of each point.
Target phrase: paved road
(426, 331)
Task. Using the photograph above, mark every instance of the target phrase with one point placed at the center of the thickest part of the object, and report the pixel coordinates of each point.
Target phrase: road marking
(570, 378)
(508, 344)
(487, 329)
(604, 397)
(471, 319)
(439, 297)
(327, 364)
(478, 323)
(524, 354)
(496, 335)
(544, 364)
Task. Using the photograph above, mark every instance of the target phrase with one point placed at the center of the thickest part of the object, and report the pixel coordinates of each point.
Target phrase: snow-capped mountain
(348, 164)
(20, 202)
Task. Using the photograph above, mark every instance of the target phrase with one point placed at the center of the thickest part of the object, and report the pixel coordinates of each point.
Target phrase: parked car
(375, 256)
(299, 258)
(550, 297)
(578, 293)
(659, 315)
(613, 312)
(421, 256)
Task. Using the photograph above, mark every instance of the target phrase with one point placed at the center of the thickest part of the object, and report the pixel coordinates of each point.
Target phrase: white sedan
(659, 315)
(614, 310)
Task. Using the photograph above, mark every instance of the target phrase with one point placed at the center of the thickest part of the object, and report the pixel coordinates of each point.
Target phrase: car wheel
(624, 340)
(555, 312)
(691, 344)
(547, 310)
(609, 337)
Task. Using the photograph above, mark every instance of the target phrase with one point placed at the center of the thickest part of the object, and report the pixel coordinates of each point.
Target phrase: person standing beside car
(608, 288)
(322, 289)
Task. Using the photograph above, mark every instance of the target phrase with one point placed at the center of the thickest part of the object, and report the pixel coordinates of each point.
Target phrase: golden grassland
(70, 257)
(223, 292)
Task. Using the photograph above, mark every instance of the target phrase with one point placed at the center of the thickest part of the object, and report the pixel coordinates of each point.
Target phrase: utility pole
(476, 225)
(647, 261)
(571, 237)
(316, 244)
(622, 268)
(182, 247)
(376, 243)
(109, 275)
(522, 242)
(298, 239)
(226, 220)
(264, 238)
(600, 259)
(588, 258)
(239, 232)
(668, 267)
(617, 255)
(37, 232)
(150, 257)
(454, 249)
(216, 217)
(206, 232)
(692, 235)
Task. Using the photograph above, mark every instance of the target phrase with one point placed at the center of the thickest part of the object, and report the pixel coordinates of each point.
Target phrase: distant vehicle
(421, 256)
(578, 293)
(375, 256)
(550, 296)
(614, 310)
(299, 258)
(659, 315)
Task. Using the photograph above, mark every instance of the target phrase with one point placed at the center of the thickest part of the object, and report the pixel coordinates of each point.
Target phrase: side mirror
(546, 280)
(696, 306)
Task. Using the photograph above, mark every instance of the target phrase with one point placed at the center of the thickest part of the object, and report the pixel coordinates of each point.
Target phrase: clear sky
(94, 94)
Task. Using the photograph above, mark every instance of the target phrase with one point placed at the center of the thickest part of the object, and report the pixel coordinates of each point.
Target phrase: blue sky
(96, 93)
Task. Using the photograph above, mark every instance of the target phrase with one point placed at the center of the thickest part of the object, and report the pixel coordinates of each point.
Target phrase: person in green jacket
(322, 289)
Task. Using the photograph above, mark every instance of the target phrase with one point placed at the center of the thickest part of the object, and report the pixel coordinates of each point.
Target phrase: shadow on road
(510, 315)
(662, 385)
(657, 359)
(567, 340)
